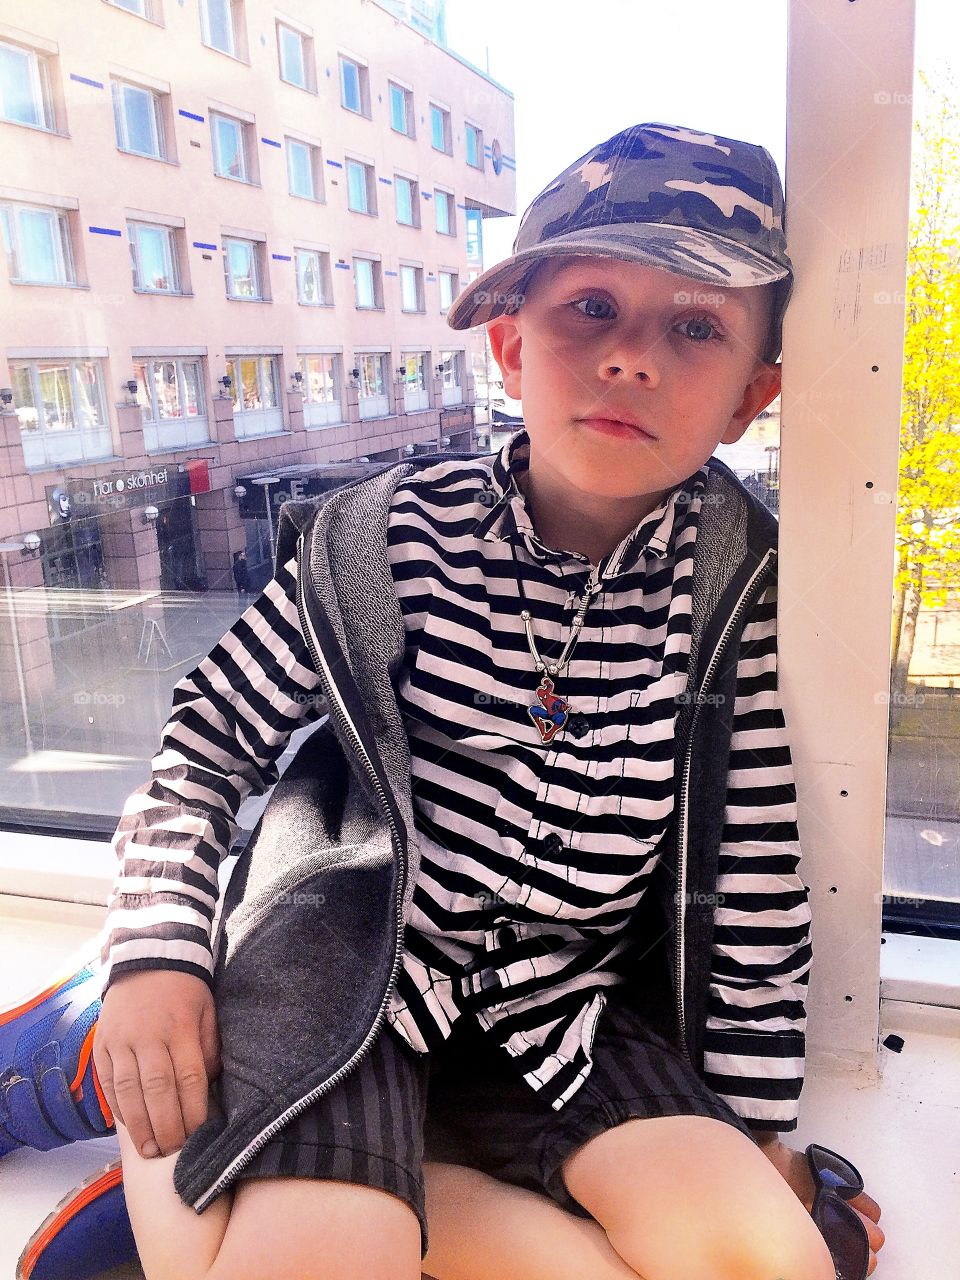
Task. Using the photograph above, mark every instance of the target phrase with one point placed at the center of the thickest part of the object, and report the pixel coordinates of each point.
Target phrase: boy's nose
(625, 367)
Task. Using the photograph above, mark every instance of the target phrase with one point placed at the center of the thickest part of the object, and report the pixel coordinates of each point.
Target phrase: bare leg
(482, 1229)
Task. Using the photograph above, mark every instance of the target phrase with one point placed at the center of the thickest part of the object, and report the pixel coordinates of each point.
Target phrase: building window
(304, 169)
(243, 269)
(361, 187)
(474, 224)
(440, 134)
(411, 289)
(474, 145)
(154, 257)
(53, 396)
(373, 401)
(255, 383)
(170, 389)
(354, 86)
(413, 365)
(321, 389)
(446, 213)
(37, 244)
(26, 94)
(232, 148)
(451, 376)
(149, 9)
(295, 51)
(367, 283)
(407, 193)
(313, 278)
(221, 25)
(138, 118)
(401, 110)
(449, 288)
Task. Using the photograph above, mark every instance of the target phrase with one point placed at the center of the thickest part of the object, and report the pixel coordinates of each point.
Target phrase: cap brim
(700, 255)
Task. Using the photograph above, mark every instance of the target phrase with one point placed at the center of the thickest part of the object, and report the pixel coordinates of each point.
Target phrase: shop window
(172, 403)
(62, 410)
(321, 386)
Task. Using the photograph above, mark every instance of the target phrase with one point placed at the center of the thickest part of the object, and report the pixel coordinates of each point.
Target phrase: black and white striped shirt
(533, 856)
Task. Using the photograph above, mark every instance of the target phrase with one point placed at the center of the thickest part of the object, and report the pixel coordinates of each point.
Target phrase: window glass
(36, 242)
(300, 169)
(408, 288)
(268, 382)
(442, 202)
(218, 24)
(474, 233)
(398, 109)
(438, 131)
(363, 273)
(21, 89)
(309, 276)
(155, 260)
(228, 140)
(241, 264)
(250, 384)
(137, 120)
(350, 85)
(404, 194)
(357, 186)
(192, 389)
(473, 145)
(371, 375)
(292, 58)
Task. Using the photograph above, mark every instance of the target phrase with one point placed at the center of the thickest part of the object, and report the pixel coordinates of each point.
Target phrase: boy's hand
(155, 1048)
(793, 1167)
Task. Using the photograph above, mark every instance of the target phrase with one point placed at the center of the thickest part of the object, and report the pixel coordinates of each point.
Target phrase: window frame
(173, 246)
(324, 273)
(149, 388)
(245, 151)
(309, 84)
(468, 126)
(258, 260)
(376, 280)
(351, 163)
(72, 363)
(233, 361)
(446, 129)
(336, 377)
(63, 243)
(118, 86)
(417, 270)
(363, 85)
(235, 11)
(40, 66)
(454, 278)
(409, 114)
(315, 160)
(445, 198)
(414, 185)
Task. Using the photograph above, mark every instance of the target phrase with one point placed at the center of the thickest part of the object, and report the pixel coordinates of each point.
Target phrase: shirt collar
(507, 519)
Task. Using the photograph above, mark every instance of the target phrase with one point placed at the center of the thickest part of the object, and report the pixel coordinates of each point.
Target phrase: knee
(779, 1245)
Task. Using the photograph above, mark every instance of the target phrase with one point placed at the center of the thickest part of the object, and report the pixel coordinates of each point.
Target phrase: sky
(582, 72)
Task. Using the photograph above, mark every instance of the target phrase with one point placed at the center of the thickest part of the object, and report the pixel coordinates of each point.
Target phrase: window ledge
(35, 128)
(143, 155)
(920, 970)
(163, 293)
(48, 284)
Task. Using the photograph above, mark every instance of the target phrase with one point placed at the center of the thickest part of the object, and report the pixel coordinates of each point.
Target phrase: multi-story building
(232, 229)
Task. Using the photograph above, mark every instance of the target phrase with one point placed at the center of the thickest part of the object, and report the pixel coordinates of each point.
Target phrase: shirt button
(489, 978)
(578, 725)
(506, 936)
(552, 843)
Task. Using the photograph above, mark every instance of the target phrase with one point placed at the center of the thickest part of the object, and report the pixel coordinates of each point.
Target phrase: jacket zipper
(741, 606)
(336, 702)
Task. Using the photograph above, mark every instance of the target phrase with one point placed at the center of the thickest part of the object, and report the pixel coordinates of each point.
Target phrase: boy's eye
(594, 306)
(699, 329)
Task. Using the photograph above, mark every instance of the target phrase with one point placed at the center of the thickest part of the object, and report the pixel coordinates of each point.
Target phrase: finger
(159, 1084)
(191, 1078)
(866, 1204)
(210, 1041)
(129, 1099)
(874, 1233)
(103, 1066)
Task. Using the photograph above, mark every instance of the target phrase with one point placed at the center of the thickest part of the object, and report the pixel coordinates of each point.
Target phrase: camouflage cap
(691, 203)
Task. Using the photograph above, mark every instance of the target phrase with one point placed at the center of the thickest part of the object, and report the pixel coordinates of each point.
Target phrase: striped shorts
(466, 1103)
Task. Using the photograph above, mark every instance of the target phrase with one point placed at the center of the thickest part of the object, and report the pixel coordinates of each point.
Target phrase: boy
(540, 867)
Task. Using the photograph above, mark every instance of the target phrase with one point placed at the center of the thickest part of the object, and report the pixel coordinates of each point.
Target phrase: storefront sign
(122, 490)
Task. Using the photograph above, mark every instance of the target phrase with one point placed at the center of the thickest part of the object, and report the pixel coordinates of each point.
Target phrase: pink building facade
(231, 233)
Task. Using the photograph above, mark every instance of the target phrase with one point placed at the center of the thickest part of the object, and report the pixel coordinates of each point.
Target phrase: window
(449, 288)
(372, 381)
(37, 244)
(413, 368)
(452, 366)
(354, 86)
(232, 148)
(255, 383)
(26, 96)
(321, 389)
(304, 169)
(401, 110)
(296, 57)
(411, 288)
(221, 26)
(440, 135)
(446, 213)
(52, 397)
(170, 389)
(138, 117)
(474, 145)
(361, 188)
(154, 257)
(313, 277)
(407, 193)
(149, 9)
(367, 282)
(243, 269)
(474, 224)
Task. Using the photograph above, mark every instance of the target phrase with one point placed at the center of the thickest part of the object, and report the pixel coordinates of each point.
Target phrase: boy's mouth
(619, 426)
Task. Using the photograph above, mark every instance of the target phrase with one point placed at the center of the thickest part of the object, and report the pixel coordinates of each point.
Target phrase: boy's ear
(505, 343)
(758, 393)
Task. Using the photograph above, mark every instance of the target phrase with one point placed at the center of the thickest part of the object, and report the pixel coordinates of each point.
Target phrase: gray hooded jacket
(310, 937)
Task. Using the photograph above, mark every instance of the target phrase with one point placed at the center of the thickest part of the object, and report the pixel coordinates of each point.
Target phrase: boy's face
(597, 337)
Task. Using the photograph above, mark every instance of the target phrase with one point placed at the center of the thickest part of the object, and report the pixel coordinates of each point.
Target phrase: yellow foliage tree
(928, 512)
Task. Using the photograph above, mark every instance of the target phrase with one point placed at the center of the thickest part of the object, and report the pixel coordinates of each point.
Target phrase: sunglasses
(837, 1181)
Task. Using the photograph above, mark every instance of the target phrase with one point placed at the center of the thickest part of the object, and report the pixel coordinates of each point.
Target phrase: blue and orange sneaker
(49, 1091)
(87, 1233)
